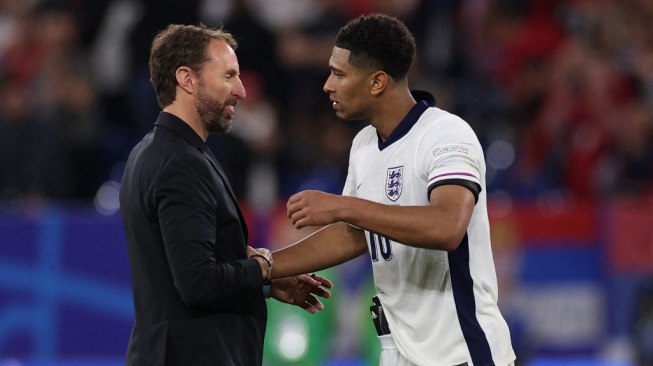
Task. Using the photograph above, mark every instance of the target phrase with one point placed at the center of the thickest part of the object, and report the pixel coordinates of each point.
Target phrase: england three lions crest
(394, 182)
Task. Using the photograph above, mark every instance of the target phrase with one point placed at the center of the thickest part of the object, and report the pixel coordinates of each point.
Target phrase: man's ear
(378, 82)
(185, 79)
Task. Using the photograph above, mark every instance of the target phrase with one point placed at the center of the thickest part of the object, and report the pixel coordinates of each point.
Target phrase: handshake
(301, 290)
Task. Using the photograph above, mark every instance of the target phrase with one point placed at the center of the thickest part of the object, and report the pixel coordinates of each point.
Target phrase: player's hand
(313, 208)
(259, 251)
(302, 291)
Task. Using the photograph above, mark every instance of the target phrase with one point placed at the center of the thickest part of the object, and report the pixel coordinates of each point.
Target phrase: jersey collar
(424, 100)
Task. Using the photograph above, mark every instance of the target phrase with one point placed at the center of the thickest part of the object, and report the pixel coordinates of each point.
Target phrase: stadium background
(559, 92)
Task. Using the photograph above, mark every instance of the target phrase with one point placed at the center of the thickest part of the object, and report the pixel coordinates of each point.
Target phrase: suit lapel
(209, 155)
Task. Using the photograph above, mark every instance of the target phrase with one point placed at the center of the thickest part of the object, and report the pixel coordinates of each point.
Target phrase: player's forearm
(431, 227)
(328, 247)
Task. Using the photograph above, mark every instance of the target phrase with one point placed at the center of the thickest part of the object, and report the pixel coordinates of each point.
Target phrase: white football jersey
(441, 307)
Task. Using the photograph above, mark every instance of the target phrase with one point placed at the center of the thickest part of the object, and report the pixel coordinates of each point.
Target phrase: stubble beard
(212, 113)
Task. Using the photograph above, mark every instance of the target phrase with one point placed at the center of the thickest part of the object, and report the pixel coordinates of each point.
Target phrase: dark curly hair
(380, 42)
(180, 45)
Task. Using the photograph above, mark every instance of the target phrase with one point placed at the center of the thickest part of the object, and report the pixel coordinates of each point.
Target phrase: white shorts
(390, 355)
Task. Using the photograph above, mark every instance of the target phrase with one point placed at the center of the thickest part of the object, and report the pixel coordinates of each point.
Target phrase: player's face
(219, 88)
(347, 86)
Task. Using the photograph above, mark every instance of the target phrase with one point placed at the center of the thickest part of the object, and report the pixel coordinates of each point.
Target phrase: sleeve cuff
(267, 287)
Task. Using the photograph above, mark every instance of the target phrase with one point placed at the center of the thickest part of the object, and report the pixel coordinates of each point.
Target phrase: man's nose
(239, 90)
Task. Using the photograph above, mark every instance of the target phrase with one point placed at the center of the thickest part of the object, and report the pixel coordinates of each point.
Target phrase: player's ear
(185, 78)
(378, 81)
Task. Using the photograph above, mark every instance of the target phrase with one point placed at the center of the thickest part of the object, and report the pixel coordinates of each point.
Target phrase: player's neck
(393, 107)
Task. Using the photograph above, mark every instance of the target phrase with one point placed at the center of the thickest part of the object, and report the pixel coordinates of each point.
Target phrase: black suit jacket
(198, 300)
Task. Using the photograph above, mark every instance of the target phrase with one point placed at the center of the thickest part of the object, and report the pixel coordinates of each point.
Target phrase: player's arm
(327, 247)
(440, 225)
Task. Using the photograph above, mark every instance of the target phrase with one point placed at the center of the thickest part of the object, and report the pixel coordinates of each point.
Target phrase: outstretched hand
(302, 291)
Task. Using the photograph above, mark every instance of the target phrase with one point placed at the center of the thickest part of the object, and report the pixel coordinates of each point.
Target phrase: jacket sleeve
(187, 199)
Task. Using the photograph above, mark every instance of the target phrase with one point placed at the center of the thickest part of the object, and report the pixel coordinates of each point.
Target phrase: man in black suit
(198, 288)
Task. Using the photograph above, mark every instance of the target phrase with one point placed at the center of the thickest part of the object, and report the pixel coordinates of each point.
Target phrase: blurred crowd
(560, 92)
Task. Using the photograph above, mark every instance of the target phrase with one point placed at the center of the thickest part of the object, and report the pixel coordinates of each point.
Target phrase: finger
(321, 292)
(315, 302)
(299, 223)
(265, 252)
(314, 286)
(261, 251)
(293, 204)
(295, 214)
(293, 219)
(309, 307)
(294, 198)
(308, 280)
(292, 209)
(323, 281)
(315, 280)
